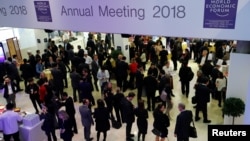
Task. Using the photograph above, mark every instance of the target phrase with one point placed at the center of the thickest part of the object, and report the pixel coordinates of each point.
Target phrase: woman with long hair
(161, 122)
(66, 132)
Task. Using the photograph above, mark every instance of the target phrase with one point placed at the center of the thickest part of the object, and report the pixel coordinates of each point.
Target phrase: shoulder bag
(192, 131)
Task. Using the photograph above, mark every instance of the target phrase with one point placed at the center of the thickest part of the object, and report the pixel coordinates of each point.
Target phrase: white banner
(217, 19)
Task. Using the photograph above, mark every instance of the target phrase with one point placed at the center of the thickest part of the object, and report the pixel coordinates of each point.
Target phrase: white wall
(119, 41)
(238, 84)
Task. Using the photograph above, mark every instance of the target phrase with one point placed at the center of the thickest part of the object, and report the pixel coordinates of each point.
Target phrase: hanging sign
(217, 19)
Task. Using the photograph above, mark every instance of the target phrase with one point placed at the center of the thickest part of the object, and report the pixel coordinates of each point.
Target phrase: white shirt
(143, 57)
(203, 60)
(220, 83)
(102, 76)
(10, 89)
(9, 122)
(168, 70)
(88, 60)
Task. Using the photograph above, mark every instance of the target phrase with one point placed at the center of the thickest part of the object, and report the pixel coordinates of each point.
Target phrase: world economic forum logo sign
(220, 14)
(43, 12)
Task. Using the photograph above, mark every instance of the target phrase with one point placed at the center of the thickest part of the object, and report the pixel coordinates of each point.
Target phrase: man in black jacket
(139, 76)
(70, 109)
(202, 93)
(151, 85)
(183, 123)
(10, 91)
(128, 114)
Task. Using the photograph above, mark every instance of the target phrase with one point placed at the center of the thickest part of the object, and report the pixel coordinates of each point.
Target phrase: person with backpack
(186, 75)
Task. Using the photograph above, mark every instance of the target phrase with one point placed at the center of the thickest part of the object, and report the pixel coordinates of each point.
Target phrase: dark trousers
(221, 95)
(104, 135)
(14, 135)
(175, 63)
(182, 139)
(73, 121)
(25, 83)
(131, 80)
(58, 92)
(139, 136)
(87, 132)
(128, 129)
(65, 80)
(122, 83)
(139, 92)
(95, 82)
(11, 99)
(185, 87)
(51, 133)
(35, 100)
(118, 113)
(67, 138)
(74, 94)
(201, 107)
(151, 99)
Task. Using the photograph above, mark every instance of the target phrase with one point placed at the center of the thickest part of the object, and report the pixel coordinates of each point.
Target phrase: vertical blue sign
(43, 12)
(220, 14)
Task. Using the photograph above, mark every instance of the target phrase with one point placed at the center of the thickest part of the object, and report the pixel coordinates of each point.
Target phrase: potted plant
(234, 107)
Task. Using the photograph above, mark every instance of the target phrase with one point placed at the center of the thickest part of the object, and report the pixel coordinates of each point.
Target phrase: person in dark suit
(122, 73)
(75, 80)
(101, 115)
(65, 126)
(12, 72)
(128, 114)
(117, 104)
(10, 91)
(161, 122)
(202, 93)
(139, 76)
(57, 80)
(150, 84)
(33, 91)
(62, 67)
(70, 109)
(95, 67)
(183, 74)
(182, 125)
(32, 61)
(142, 123)
(86, 91)
(86, 119)
(25, 69)
(48, 123)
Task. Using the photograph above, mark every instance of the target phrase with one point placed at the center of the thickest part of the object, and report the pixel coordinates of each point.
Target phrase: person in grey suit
(183, 123)
(86, 119)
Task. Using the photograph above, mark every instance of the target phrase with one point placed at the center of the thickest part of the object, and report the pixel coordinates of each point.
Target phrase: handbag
(192, 131)
(156, 132)
(116, 124)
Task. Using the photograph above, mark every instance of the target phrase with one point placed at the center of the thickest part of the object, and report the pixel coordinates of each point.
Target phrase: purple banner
(43, 12)
(220, 14)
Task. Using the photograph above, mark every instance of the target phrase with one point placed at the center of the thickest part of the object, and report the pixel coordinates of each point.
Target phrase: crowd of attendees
(94, 64)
